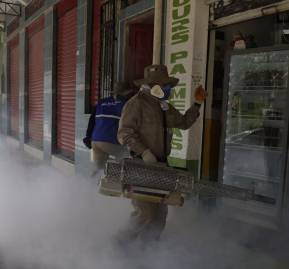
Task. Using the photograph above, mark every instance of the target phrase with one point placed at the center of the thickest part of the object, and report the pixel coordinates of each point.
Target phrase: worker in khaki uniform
(144, 127)
(101, 134)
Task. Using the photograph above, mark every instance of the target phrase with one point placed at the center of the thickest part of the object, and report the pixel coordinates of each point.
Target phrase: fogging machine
(135, 179)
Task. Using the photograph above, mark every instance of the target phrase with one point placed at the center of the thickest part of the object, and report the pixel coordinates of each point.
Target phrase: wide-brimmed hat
(157, 74)
(123, 88)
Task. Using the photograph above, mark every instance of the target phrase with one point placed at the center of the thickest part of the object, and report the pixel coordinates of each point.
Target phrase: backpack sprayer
(135, 179)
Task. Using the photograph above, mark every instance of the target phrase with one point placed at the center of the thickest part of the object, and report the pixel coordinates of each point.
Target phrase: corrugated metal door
(66, 82)
(13, 96)
(35, 83)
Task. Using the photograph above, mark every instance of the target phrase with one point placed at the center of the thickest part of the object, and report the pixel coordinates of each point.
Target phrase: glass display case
(255, 138)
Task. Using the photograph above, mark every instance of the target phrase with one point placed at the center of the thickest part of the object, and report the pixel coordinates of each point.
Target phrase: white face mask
(157, 91)
(162, 93)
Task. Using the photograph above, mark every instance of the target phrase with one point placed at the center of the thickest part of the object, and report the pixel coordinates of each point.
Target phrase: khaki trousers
(101, 151)
(147, 222)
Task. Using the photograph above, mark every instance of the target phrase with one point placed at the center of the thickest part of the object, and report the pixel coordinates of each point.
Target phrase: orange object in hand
(200, 94)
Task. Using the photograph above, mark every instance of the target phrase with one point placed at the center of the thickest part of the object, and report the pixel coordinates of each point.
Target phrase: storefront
(241, 135)
(246, 117)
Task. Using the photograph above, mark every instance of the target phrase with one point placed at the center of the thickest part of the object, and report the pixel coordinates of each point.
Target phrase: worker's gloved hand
(149, 157)
(200, 95)
(87, 142)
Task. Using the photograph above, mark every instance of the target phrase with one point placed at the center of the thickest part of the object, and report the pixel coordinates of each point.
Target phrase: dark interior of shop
(139, 45)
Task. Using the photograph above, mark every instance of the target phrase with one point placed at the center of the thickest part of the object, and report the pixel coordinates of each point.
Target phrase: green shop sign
(178, 56)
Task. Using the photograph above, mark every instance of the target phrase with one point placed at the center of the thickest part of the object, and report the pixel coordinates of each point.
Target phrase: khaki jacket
(141, 125)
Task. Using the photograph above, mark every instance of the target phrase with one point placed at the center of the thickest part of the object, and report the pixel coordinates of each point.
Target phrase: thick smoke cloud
(52, 221)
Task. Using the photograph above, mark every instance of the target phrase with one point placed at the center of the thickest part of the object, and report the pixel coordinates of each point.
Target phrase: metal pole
(157, 31)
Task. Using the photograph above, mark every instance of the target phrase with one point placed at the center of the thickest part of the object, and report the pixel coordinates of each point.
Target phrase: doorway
(248, 118)
(139, 45)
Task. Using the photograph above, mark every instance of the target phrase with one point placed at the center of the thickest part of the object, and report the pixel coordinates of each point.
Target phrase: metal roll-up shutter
(13, 94)
(35, 82)
(66, 82)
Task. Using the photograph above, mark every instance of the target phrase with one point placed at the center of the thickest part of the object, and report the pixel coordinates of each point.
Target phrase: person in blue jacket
(101, 134)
